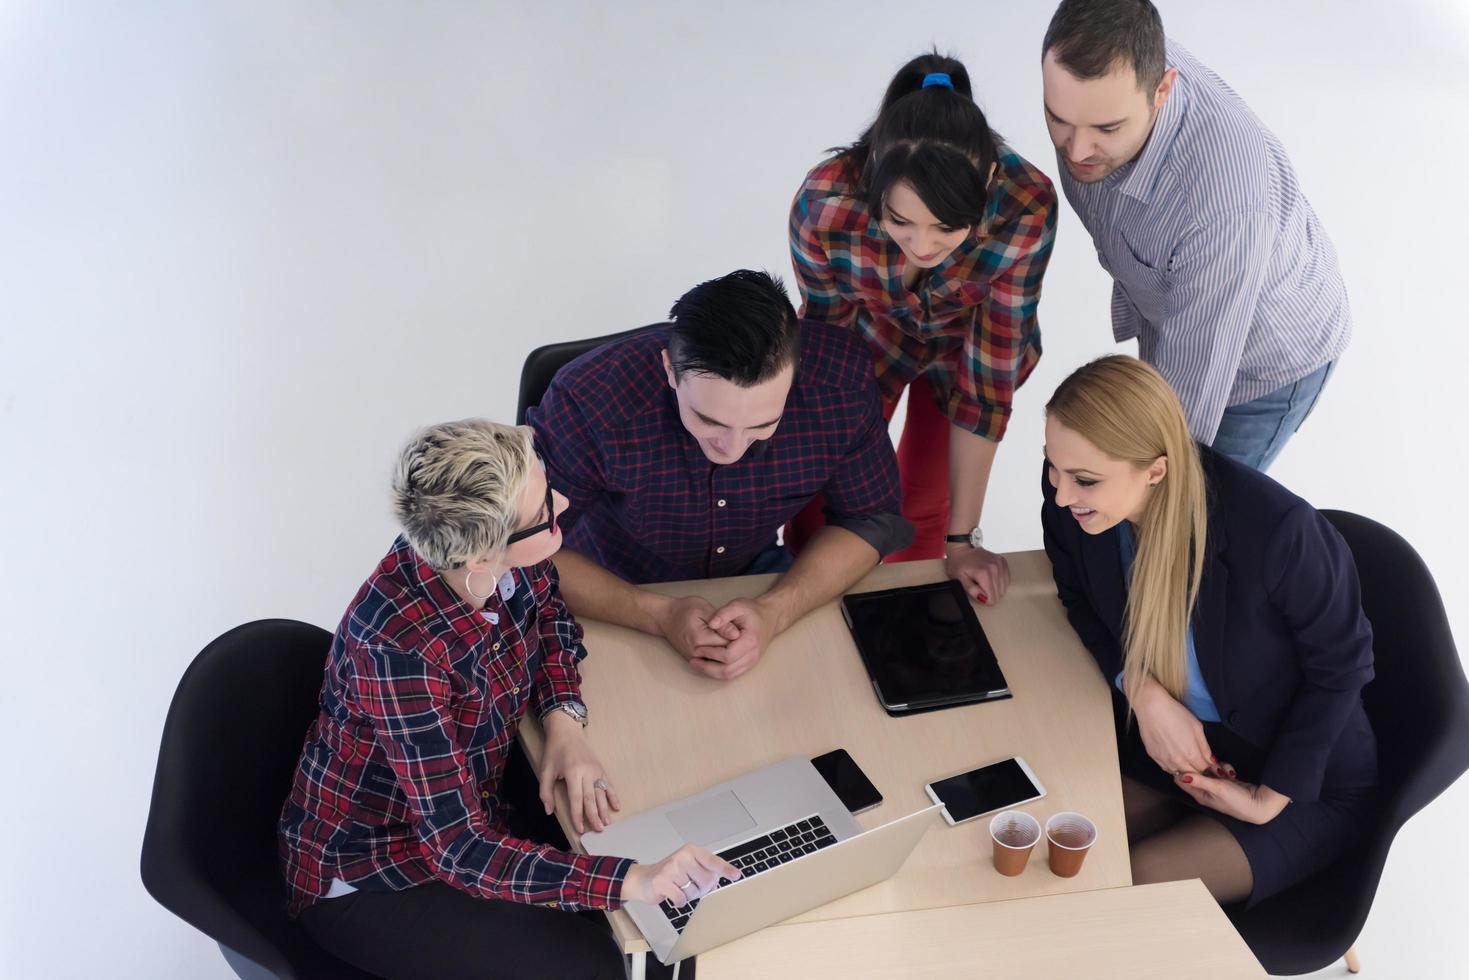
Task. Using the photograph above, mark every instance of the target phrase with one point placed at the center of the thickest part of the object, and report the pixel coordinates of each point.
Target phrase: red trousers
(923, 471)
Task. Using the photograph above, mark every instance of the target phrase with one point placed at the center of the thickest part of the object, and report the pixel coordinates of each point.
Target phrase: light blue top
(1197, 699)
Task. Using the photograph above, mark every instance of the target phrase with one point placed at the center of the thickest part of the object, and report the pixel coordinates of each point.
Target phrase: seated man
(682, 451)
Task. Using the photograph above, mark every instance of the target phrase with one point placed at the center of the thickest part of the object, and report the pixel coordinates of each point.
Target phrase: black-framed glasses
(549, 524)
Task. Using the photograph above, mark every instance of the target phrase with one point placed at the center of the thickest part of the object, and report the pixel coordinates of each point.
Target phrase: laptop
(784, 828)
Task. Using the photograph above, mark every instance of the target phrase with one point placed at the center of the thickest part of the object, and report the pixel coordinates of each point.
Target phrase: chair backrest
(229, 751)
(542, 364)
(1418, 703)
(1419, 700)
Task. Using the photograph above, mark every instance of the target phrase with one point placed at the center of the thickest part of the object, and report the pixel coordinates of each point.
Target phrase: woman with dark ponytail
(929, 236)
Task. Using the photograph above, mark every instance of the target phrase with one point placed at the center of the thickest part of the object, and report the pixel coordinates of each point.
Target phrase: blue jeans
(1254, 433)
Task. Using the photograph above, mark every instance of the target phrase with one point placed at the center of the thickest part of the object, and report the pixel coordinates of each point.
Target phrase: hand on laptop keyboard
(686, 875)
(758, 854)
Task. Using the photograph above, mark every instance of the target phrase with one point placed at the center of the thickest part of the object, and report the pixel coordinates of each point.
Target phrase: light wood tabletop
(664, 731)
(1161, 931)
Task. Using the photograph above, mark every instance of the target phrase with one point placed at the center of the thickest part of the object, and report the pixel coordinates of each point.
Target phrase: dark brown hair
(936, 139)
(1092, 37)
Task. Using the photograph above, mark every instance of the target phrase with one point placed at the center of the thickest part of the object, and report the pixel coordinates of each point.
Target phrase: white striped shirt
(1220, 268)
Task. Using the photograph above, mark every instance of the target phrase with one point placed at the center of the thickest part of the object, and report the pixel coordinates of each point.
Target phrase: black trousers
(436, 932)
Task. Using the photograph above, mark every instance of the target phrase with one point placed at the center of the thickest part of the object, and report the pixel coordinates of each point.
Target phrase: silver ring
(600, 784)
(685, 885)
(1174, 772)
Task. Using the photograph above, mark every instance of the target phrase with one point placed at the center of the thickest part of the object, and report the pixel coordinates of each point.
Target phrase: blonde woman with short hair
(401, 843)
(1225, 612)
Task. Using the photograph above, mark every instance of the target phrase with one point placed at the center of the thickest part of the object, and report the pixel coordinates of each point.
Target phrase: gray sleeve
(886, 533)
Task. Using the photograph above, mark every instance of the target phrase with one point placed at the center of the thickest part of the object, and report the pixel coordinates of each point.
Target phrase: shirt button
(719, 550)
(550, 905)
(515, 689)
(495, 646)
(720, 502)
(484, 794)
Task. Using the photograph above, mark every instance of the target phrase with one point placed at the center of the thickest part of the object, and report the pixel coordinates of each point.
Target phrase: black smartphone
(847, 780)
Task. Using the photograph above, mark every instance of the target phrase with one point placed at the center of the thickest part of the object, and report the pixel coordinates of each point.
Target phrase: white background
(246, 248)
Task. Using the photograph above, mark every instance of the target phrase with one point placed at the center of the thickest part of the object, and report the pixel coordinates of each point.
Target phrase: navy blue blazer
(1279, 630)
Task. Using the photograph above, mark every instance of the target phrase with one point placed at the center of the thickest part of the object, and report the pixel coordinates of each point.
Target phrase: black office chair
(542, 364)
(230, 746)
(1419, 707)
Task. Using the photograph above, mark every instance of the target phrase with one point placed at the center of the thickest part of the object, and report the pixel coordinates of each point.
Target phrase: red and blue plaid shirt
(398, 783)
(969, 325)
(647, 505)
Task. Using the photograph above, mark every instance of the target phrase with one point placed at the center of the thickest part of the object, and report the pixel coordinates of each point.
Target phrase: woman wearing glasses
(929, 237)
(402, 853)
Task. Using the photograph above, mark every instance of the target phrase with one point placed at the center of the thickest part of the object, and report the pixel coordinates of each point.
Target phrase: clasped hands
(1175, 740)
(722, 643)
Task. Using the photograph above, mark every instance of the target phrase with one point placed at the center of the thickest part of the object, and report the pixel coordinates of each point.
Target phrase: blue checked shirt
(647, 505)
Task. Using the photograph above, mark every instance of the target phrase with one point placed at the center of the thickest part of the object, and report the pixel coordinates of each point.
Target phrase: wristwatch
(975, 538)
(576, 709)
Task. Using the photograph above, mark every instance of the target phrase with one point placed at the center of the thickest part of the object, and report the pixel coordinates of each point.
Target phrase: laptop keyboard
(796, 839)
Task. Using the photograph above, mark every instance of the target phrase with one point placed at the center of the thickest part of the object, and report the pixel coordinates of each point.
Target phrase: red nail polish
(1188, 779)
(1213, 758)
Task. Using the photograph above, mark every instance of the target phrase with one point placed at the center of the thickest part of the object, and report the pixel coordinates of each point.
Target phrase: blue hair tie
(938, 78)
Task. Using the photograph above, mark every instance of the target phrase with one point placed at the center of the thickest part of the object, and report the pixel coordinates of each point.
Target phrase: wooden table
(1152, 931)
(664, 731)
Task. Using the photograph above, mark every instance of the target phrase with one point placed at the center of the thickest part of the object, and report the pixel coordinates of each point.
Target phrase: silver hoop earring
(470, 589)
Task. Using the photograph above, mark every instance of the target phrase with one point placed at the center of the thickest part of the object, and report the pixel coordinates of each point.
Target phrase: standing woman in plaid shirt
(401, 843)
(929, 237)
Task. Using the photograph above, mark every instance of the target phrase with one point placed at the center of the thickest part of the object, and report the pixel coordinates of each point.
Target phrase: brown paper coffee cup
(1068, 837)
(1014, 834)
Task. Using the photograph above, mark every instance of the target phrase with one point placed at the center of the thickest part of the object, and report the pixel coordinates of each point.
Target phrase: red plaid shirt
(398, 783)
(969, 325)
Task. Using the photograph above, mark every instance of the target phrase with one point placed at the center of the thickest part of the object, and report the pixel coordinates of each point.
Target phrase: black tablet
(923, 647)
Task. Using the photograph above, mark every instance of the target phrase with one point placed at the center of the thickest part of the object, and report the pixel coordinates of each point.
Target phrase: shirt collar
(445, 601)
(1142, 176)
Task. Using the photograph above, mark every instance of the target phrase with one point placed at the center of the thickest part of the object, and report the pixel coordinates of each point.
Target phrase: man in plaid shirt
(683, 450)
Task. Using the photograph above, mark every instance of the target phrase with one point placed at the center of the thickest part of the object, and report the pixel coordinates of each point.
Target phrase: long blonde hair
(1125, 408)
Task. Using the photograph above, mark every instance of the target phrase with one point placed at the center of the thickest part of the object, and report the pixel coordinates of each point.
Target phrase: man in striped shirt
(1220, 268)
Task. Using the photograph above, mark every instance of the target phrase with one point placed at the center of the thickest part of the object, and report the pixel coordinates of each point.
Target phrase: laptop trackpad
(711, 820)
